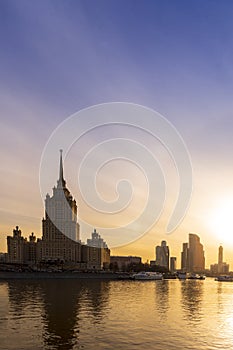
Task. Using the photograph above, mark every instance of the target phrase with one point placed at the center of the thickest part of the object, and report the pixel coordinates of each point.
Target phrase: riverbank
(6, 275)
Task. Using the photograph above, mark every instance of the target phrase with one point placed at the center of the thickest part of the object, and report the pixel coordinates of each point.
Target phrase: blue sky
(173, 56)
(60, 56)
(73, 53)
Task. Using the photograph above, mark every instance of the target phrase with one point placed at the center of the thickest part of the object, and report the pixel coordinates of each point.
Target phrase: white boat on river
(147, 276)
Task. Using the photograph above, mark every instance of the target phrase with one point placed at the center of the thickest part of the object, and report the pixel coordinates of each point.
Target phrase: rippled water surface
(73, 314)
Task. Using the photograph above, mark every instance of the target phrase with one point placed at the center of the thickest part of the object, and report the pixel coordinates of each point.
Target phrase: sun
(221, 221)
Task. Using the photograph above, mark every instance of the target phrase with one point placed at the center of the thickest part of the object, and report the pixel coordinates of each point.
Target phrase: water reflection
(192, 292)
(23, 295)
(162, 298)
(61, 299)
(72, 314)
(96, 296)
(61, 302)
(3, 304)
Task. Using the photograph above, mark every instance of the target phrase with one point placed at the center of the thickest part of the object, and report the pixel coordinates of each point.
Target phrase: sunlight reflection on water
(72, 314)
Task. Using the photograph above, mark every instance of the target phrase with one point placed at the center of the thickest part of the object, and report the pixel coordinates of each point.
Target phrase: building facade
(162, 255)
(96, 240)
(185, 258)
(60, 229)
(60, 243)
(122, 262)
(173, 266)
(16, 247)
(221, 267)
(192, 256)
(95, 253)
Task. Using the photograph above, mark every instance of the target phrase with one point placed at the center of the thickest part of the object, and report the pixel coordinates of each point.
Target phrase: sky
(176, 57)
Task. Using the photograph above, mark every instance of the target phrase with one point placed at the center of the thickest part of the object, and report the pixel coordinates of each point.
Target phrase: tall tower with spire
(220, 259)
(60, 228)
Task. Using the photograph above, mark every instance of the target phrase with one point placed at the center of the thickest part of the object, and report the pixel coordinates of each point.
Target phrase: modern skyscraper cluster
(162, 254)
(192, 256)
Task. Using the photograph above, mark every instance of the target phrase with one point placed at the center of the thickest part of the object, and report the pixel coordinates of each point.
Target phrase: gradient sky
(176, 57)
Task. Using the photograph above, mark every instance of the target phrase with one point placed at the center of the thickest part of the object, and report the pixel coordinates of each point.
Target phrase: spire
(61, 180)
(61, 167)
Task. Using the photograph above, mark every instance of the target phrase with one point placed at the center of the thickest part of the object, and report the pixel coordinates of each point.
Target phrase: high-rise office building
(196, 254)
(173, 264)
(185, 258)
(192, 256)
(220, 254)
(220, 259)
(221, 267)
(162, 255)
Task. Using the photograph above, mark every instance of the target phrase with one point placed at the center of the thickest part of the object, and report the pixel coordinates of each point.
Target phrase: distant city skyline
(116, 139)
(192, 253)
(173, 57)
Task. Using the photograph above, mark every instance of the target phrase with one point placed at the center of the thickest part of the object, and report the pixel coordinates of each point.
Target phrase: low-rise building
(122, 262)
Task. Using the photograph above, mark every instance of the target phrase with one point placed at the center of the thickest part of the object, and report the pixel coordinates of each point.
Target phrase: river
(127, 315)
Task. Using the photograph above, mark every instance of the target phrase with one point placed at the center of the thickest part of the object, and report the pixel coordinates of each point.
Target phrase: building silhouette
(60, 229)
(221, 267)
(123, 262)
(95, 253)
(162, 255)
(192, 256)
(220, 255)
(16, 247)
(185, 258)
(173, 266)
(60, 242)
(96, 241)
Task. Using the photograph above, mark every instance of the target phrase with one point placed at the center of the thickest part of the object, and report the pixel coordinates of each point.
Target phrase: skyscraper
(192, 256)
(223, 267)
(220, 258)
(173, 264)
(196, 254)
(162, 255)
(220, 254)
(60, 229)
(185, 258)
(60, 236)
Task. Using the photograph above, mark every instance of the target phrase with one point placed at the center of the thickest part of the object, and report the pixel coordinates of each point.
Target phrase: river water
(74, 314)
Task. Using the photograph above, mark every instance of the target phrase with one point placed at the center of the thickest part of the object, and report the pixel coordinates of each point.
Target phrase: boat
(169, 276)
(202, 277)
(196, 276)
(147, 276)
(182, 275)
(224, 278)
